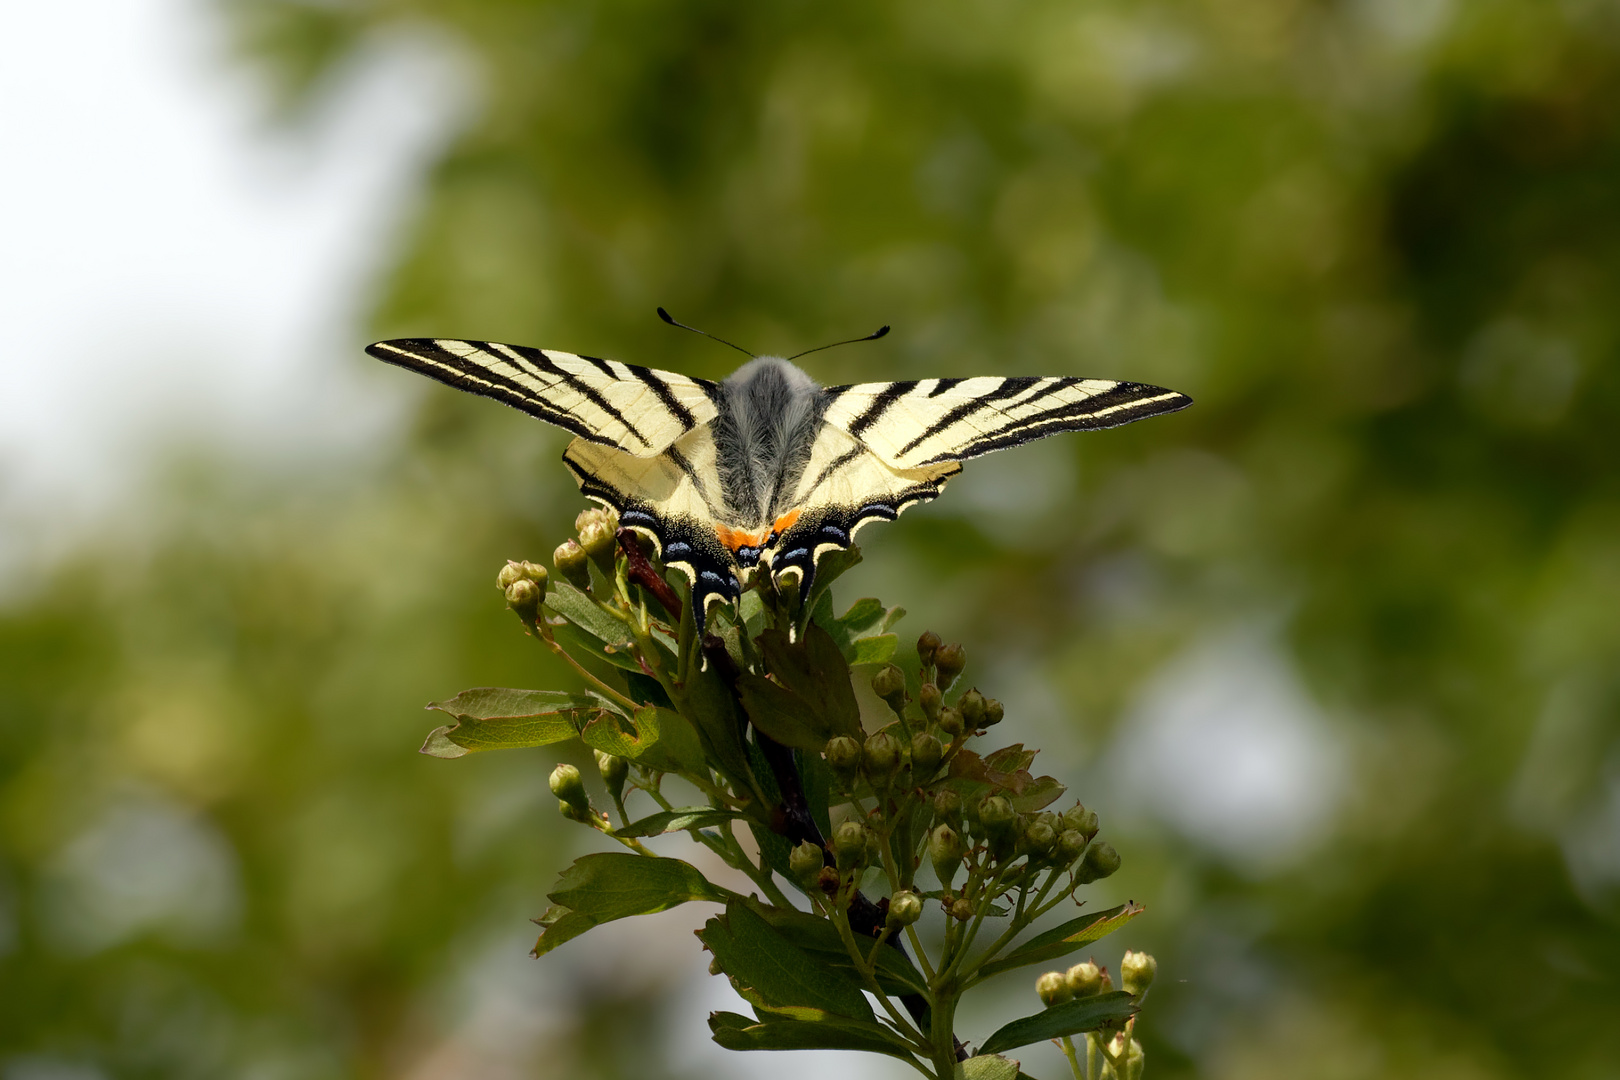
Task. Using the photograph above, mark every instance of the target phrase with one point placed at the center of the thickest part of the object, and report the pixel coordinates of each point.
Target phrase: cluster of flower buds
(569, 787)
(1088, 980)
(598, 530)
(524, 584)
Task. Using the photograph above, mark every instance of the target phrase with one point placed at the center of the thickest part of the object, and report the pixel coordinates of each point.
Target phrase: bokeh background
(1335, 653)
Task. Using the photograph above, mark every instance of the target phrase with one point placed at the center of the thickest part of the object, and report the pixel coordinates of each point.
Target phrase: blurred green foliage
(1377, 240)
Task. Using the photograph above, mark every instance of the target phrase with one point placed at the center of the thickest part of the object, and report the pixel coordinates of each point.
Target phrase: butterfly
(766, 469)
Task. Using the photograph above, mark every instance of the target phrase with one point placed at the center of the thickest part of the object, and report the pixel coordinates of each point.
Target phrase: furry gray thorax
(770, 412)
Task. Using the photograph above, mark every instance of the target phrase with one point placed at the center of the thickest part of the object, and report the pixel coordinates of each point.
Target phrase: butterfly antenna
(873, 336)
(662, 314)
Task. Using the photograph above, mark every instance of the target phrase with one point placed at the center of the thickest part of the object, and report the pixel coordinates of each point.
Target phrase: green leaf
(660, 739)
(809, 1029)
(612, 885)
(584, 647)
(691, 817)
(1062, 940)
(782, 714)
(815, 670)
(1069, 1018)
(751, 951)
(987, 1067)
(582, 611)
(896, 974)
(491, 718)
(878, 649)
(712, 710)
(559, 924)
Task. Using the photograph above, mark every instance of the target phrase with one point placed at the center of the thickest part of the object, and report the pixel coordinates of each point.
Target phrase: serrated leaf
(659, 739)
(987, 1067)
(579, 609)
(751, 951)
(1062, 940)
(814, 669)
(612, 885)
(493, 718)
(1069, 1018)
(558, 925)
(667, 821)
(877, 649)
(810, 1029)
(782, 714)
(819, 939)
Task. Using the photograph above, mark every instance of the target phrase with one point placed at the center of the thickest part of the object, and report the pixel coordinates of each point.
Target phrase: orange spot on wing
(784, 523)
(737, 538)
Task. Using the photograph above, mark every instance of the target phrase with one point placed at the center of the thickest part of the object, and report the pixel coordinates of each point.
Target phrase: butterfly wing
(634, 409)
(912, 425)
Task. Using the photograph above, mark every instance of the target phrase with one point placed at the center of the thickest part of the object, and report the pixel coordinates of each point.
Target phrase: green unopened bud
(1136, 972)
(1130, 1057)
(1053, 989)
(844, 758)
(849, 844)
(905, 908)
(949, 660)
(962, 910)
(927, 646)
(806, 861)
(1085, 979)
(1099, 861)
(1081, 820)
(993, 712)
(972, 706)
(567, 785)
(930, 699)
(945, 851)
(996, 814)
(950, 721)
(881, 757)
(1039, 840)
(512, 571)
(523, 596)
(572, 563)
(926, 754)
(596, 537)
(890, 685)
(1071, 845)
(948, 808)
(614, 770)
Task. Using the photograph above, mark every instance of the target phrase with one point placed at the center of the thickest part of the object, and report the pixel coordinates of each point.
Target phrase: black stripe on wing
(1121, 404)
(427, 357)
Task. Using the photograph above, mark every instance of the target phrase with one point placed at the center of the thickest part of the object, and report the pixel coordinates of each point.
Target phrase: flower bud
(614, 770)
(948, 808)
(596, 537)
(1039, 840)
(905, 908)
(1053, 989)
(1105, 983)
(972, 706)
(523, 596)
(1071, 845)
(512, 571)
(827, 880)
(930, 699)
(927, 645)
(1099, 861)
(1136, 972)
(1081, 820)
(849, 844)
(993, 712)
(569, 788)
(996, 814)
(1085, 979)
(1130, 1057)
(570, 560)
(881, 757)
(890, 685)
(806, 861)
(926, 753)
(962, 910)
(949, 660)
(874, 848)
(844, 758)
(945, 851)
(950, 721)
